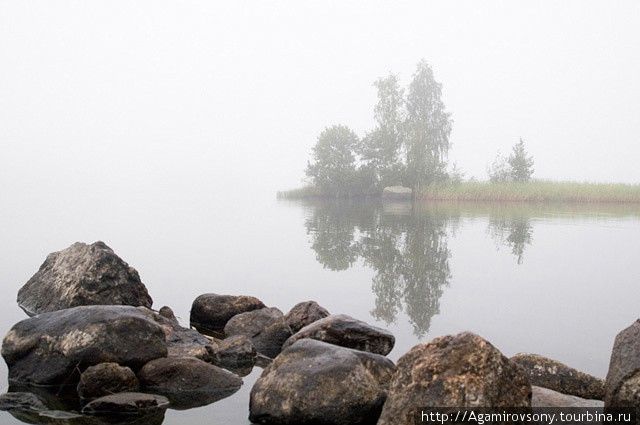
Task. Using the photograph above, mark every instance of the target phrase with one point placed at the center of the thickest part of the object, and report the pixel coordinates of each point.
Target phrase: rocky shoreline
(93, 351)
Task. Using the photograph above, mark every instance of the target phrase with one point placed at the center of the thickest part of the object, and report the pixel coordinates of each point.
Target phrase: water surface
(557, 280)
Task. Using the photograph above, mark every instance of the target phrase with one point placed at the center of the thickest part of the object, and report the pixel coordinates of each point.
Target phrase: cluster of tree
(408, 147)
(518, 167)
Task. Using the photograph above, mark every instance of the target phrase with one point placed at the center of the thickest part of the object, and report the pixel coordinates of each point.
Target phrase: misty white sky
(107, 97)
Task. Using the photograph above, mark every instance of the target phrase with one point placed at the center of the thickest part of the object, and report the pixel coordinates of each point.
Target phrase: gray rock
(544, 397)
(622, 385)
(303, 314)
(346, 331)
(211, 312)
(188, 382)
(53, 348)
(265, 327)
(82, 275)
(234, 352)
(397, 192)
(454, 371)
(106, 379)
(313, 382)
(180, 341)
(21, 401)
(126, 404)
(552, 374)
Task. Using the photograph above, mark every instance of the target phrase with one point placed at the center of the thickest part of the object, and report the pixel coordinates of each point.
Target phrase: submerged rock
(346, 331)
(82, 275)
(303, 314)
(188, 382)
(545, 397)
(552, 374)
(21, 401)
(106, 379)
(313, 382)
(53, 348)
(126, 404)
(265, 328)
(211, 312)
(454, 371)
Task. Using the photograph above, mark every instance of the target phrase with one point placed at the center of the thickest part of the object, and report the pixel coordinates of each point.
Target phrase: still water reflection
(558, 280)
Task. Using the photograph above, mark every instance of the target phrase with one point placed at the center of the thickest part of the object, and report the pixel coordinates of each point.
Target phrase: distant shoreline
(532, 191)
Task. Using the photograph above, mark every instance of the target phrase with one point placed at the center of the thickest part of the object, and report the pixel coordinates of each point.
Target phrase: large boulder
(105, 379)
(622, 385)
(211, 312)
(313, 382)
(303, 314)
(346, 331)
(82, 275)
(454, 371)
(552, 374)
(53, 348)
(188, 382)
(265, 327)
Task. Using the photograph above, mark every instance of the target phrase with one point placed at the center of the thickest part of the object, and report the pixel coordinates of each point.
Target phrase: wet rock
(53, 348)
(544, 397)
(303, 314)
(265, 327)
(622, 385)
(346, 331)
(126, 404)
(397, 192)
(552, 374)
(105, 379)
(180, 341)
(454, 371)
(234, 352)
(211, 312)
(82, 275)
(21, 401)
(188, 382)
(313, 382)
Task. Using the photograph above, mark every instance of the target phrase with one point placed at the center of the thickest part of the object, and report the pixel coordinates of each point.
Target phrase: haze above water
(166, 128)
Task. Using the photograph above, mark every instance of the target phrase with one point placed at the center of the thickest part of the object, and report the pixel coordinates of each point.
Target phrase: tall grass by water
(534, 191)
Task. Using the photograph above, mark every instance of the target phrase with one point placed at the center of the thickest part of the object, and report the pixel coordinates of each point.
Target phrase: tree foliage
(518, 167)
(408, 146)
(521, 164)
(334, 167)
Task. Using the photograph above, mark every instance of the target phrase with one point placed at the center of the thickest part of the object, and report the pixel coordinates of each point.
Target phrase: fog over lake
(165, 130)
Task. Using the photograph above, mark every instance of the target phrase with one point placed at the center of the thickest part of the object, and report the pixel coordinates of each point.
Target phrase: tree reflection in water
(405, 244)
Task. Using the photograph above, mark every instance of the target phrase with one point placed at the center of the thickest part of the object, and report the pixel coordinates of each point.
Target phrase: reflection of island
(513, 232)
(407, 248)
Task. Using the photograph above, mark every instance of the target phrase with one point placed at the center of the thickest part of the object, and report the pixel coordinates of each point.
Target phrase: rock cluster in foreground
(118, 361)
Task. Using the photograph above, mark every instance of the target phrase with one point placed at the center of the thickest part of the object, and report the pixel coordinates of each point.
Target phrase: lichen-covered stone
(265, 328)
(303, 314)
(106, 379)
(53, 348)
(622, 385)
(461, 370)
(346, 331)
(211, 312)
(557, 376)
(82, 275)
(313, 382)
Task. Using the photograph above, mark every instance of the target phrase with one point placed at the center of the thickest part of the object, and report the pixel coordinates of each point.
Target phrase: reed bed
(534, 191)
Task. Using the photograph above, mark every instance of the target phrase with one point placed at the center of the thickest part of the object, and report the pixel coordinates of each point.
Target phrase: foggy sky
(109, 97)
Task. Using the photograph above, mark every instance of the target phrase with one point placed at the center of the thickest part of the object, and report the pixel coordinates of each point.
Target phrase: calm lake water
(557, 280)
